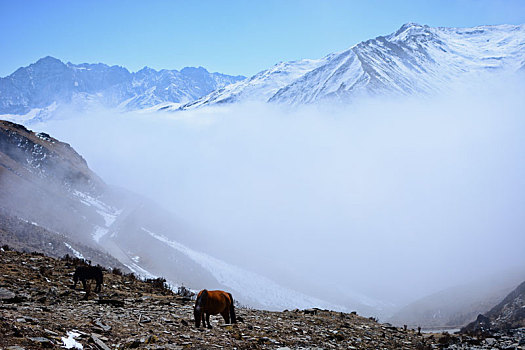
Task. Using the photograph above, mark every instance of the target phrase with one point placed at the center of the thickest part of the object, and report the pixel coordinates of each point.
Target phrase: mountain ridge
(507, 315)
(414, 59)
(49, 80)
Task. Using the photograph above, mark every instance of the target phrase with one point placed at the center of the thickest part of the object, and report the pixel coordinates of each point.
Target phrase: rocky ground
(39, 309)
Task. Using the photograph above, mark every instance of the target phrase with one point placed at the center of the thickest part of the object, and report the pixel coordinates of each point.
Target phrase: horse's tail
(232, 310)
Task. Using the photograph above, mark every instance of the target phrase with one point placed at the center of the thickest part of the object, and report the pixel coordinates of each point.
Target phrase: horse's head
(197, 313)
(200, 304)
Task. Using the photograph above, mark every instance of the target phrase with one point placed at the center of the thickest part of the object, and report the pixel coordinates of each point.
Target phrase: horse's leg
(226, 315)
(84, 284)
(88, 292)
(98, 287)
(208, 320)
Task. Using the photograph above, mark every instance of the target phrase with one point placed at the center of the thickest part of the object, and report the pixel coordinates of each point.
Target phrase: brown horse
(213, 302)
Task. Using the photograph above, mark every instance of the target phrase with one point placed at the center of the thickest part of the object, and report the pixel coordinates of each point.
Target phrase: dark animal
(213, 302)
(84, 273)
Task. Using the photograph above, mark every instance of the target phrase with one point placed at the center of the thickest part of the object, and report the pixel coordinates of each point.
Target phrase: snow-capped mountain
(261, 86)
(50, 81)
(414, 59)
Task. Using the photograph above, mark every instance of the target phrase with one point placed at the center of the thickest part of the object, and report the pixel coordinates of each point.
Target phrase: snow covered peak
(410, 25)
(414, 59)
(411, 32)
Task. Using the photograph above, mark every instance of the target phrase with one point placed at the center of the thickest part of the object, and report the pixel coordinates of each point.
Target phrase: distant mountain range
(50, 81)
(414, 59)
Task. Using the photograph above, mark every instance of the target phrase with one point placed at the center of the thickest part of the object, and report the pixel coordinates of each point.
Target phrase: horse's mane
(202, 298)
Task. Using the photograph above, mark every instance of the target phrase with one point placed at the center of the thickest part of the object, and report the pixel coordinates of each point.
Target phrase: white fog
(393, 200)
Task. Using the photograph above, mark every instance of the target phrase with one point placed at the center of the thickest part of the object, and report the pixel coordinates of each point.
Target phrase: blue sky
(233, 37)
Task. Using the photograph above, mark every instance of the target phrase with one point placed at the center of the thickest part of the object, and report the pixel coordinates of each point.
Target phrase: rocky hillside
(51, 202)
(29, 237)
(39, 310)
(42, 181)
(508, 314)
(456, 307)
(50, 81)
(38, 156)
(39, 210)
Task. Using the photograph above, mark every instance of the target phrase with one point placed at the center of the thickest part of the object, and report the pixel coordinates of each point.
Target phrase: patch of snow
(99, 233)
(109, 218)
(108, 213)
(44, 136)
(139, 271)
(75, 252)
(161, 107)
(70, 342)
(91, 201)
(30, 222)
(29, 116)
